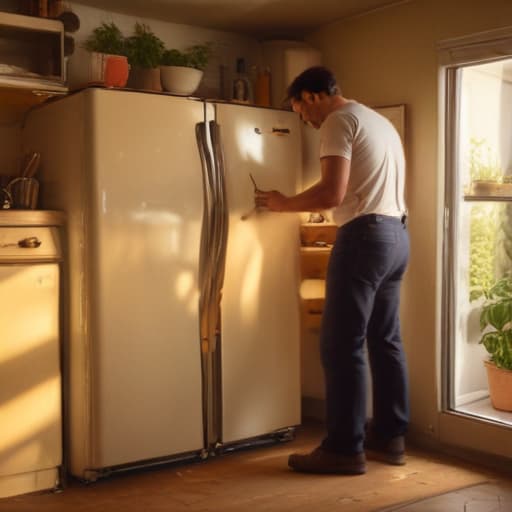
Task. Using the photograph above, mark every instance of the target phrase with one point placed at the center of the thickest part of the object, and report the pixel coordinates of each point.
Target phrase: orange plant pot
(108, 70)
(116, 71)
(500, 387)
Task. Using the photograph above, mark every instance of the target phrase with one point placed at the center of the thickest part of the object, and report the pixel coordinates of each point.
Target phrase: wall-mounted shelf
(31, 63)
(316, 244)
(14, 102)
(475, 198)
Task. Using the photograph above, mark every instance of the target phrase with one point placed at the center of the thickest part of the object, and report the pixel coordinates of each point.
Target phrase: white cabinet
(31, 63)
(30, 375)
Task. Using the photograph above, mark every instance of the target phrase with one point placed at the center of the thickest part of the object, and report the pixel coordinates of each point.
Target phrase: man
(362, 179)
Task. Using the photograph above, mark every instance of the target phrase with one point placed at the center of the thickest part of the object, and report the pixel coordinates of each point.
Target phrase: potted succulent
(182, 71)
(108, 64)
(144, 50)
(497, 314)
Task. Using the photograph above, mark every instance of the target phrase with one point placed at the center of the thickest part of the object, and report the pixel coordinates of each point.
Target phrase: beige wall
(389, 57)
(228, 46)
(10, 147)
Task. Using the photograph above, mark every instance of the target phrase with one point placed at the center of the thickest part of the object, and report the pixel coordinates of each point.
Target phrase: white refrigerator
(183, 332)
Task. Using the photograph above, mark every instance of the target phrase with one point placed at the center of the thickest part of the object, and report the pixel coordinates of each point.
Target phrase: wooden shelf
(312, 295)
(34, 70)
(313, 261)
(315, 250)
(475, 198)
(16, 101)
(12, 218)
(312, 233)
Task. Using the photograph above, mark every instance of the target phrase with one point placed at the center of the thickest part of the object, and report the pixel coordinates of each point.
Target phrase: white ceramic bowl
(180, 80)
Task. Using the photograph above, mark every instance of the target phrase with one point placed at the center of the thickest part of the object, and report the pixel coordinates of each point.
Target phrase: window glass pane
(483, 231)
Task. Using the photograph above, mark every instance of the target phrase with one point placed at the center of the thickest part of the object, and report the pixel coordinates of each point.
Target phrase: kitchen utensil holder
(23, 193)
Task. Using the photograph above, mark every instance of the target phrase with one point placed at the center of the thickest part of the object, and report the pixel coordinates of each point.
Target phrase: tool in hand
(254, 183)
(255, 208)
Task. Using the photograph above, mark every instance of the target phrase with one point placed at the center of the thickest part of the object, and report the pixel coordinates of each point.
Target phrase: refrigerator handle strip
(219, 259)
(222, 207)
(207, 317)
(207, 238)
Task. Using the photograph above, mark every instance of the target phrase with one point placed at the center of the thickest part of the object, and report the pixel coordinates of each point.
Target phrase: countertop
(31, 218)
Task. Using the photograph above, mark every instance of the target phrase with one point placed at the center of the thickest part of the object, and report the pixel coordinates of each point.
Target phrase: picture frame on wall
(396, 114)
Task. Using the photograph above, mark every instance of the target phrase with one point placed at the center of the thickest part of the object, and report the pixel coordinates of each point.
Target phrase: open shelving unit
(317, 240)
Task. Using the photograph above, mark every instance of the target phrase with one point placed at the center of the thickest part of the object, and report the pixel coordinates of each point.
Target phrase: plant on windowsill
(497, 314)
(144, 50)
(487, 178)
(108, 63)
(182, 71)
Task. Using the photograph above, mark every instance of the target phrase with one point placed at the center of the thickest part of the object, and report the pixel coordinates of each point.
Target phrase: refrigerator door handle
(207, 239)
(221, 208)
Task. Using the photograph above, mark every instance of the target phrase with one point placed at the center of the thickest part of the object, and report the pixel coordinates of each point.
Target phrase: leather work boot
(322, 461)
(391, 451)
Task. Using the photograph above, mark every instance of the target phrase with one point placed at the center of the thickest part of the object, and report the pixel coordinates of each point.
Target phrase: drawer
(314, 261)
(311, 234)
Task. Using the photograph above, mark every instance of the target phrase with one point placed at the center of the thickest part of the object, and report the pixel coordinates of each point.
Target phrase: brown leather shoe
(391, 451)
(322, 461)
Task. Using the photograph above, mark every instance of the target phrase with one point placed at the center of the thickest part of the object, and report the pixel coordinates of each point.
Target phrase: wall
(227, 46)
(389, 57)
(10, 147)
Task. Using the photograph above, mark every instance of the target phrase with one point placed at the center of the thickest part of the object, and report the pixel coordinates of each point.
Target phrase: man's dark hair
(316, 79)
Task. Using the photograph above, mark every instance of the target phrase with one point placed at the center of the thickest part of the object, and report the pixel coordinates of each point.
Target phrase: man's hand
(270, 199)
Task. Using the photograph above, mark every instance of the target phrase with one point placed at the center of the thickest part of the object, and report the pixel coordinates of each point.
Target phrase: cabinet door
(30, 380)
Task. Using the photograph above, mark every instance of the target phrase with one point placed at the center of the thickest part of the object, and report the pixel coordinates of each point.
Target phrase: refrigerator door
(126, 168)
(146, 215)
(260, 323)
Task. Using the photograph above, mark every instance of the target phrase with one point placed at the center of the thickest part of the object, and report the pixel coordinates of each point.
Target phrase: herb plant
(497, 313)
(107, 38)
(196, 56)
(483, 232)
(144, 48)
(483, 162)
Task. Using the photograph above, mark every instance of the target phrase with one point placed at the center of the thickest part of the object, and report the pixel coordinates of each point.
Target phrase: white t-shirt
(377, 164)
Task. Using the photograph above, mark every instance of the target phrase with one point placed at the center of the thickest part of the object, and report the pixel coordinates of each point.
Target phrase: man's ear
(307, 97)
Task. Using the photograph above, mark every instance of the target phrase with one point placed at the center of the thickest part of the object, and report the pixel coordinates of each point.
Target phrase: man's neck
(334, 103)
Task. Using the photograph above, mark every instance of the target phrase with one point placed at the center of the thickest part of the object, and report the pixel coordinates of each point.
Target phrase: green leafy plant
(490, 248)
(483, 163)
(144, 48)
(483, 233)
(107, 38)
(196, 56)
(497, 313)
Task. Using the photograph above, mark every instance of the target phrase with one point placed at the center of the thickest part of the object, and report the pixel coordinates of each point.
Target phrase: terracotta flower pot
(108, 70)
(500, 386)
(143, 78)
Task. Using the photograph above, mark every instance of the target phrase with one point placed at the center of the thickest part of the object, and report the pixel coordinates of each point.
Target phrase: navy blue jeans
(365, 271)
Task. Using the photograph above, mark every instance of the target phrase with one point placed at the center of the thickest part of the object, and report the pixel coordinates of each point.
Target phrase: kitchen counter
(31, 218)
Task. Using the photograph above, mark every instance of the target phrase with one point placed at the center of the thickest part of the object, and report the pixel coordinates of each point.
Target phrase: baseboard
(314, 409)
(482, 459)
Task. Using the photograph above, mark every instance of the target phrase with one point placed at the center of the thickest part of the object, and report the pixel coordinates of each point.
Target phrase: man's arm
(323, 195)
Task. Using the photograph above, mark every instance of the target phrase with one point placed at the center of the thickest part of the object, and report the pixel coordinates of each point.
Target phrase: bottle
(262, 88)
(242, 92)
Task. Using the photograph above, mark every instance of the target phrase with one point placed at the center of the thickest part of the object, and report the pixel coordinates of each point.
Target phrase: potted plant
(182, 71)
(486, 174)
(108, 64)
(144, 50)
(497, 314)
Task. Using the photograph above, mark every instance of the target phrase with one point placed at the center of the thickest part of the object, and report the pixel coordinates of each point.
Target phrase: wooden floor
(259, 480)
